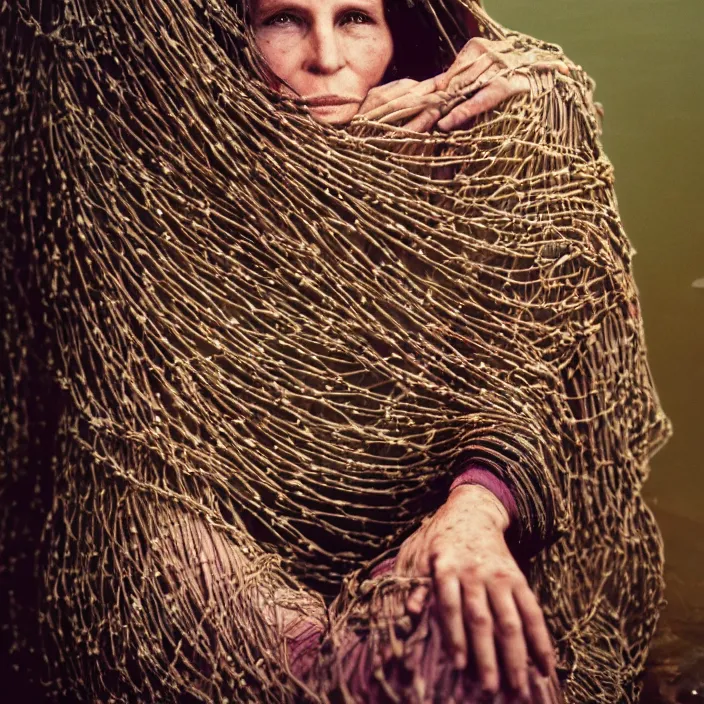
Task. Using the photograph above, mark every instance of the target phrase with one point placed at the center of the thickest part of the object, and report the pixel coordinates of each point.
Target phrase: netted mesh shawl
(219, 308)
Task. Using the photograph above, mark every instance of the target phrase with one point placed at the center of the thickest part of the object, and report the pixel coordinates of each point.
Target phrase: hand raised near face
(484, 74)
(396, 102)
(484, 603)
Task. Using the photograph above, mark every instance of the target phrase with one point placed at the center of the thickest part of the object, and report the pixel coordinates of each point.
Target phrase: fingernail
(460, 661)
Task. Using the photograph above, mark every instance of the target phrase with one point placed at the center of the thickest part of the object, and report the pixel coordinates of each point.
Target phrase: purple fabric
(475, 473)
(429, 662)
(303, 649)
(383, 567)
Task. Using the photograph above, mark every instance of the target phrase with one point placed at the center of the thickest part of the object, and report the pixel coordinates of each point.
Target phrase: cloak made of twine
(216, 308)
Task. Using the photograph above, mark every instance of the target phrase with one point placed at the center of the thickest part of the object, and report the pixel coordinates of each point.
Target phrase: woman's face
(330, 52)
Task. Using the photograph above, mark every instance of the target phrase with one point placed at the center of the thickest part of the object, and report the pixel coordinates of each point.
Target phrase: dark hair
(420, 49)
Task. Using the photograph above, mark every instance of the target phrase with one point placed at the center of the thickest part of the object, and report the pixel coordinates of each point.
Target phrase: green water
(647, 57)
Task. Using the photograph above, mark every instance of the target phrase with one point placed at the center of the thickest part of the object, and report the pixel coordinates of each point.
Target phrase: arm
(474, 474)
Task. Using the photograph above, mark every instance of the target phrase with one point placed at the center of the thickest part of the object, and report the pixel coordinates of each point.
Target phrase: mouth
(327, 101)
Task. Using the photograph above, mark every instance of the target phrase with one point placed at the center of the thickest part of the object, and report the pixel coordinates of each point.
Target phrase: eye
(282, 19)
(356, 17)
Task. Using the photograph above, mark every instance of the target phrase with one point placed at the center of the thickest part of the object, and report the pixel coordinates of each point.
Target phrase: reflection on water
(648, 63)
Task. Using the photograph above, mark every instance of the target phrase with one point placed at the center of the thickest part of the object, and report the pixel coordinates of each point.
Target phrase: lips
(325, 101)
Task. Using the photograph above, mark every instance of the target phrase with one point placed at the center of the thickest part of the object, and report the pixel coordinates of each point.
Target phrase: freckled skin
(342, 48)
(325, 48)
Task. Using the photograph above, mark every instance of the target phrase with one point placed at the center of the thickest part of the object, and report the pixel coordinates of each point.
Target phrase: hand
(397, 101)
(483, 597)
(485, 74)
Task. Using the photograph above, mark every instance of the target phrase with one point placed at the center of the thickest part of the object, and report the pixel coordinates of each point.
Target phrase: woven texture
(242, 354)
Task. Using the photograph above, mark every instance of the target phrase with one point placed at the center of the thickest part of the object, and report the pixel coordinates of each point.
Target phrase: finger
(416, 600)
(448, 592)
(383, 94)
(488, 98)
(426, 120)
(467, 75)
(384, 100)
(411, 106)
(540, 690)
(547, 65)
(432, 84)
(557, 65)
(480, 625)
(537, 635)
(509, 634)
(410, 98)
(472, 51)
(411, 109)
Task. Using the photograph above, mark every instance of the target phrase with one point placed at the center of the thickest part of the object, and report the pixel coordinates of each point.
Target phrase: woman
(348, 48)
(268, 348)
(332, 54)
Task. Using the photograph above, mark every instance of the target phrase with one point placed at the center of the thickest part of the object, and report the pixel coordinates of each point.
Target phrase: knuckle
(479, 620)
(445, 569)
(532, 619)
(501, 575)
(435, 549)
(442, 563)
(521, 583)
(472, 578)
(509, 628)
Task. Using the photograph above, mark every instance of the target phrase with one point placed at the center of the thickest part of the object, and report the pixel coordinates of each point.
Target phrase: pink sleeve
(476, 473)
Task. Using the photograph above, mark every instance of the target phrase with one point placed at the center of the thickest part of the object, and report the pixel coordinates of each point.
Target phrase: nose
(326, 52)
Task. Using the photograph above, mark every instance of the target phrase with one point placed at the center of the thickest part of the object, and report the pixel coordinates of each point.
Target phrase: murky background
(647, 57)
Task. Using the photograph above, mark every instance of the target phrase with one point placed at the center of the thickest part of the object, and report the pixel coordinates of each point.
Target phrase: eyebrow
(265, 6)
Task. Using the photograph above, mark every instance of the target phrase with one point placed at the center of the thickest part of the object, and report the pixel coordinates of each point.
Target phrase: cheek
(373, 58)
(279, 55)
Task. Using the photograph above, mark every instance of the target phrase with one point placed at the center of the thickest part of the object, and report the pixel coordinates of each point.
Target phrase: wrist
(483, 504)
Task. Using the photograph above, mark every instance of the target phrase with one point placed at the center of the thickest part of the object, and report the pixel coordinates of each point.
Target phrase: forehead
(315, 6)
